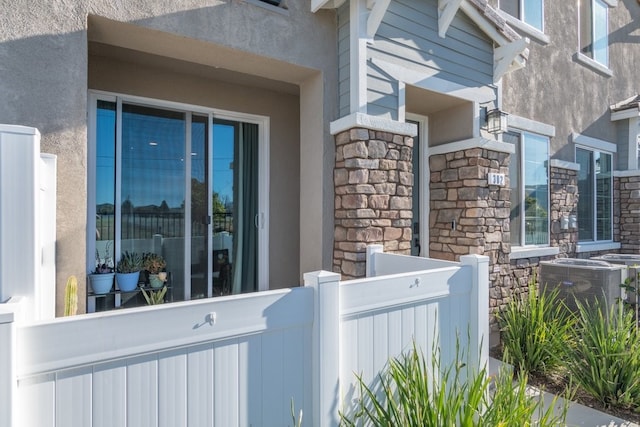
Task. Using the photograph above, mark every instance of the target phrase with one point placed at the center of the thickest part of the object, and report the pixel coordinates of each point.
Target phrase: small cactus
(71, 297)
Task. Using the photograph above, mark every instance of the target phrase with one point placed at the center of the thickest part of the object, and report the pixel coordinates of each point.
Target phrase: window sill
(526, 29)
(596, 246)
(533, 252)
(592, 64)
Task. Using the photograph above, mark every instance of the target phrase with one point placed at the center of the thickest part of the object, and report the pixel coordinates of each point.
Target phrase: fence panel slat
(272, 379)
(250, 380)
(109, 395)
(225, 377)
(200, 386)
(74, 410)
(142, 391)
(37, 392)
(172, 387)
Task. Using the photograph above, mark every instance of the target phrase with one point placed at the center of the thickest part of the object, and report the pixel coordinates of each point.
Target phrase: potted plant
(102, 278)
(155, 264)
(128, 271)
(154, 297)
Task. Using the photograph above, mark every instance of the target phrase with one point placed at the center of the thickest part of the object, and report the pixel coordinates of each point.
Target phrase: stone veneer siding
(564, 202)
(627, 202)
(468, 216)
(373, 181)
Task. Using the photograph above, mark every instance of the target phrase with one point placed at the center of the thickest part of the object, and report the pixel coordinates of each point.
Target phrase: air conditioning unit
(583, 280)
(632, 261)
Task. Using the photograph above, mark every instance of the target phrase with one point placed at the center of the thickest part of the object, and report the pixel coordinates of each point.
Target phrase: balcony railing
(169, 224)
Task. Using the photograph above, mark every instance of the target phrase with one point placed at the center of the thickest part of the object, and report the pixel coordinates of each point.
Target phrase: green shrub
(536, 330)
(409, 395)
(605, 361)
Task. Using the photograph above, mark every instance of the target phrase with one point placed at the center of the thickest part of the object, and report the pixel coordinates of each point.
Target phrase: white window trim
(594, 148)
(525, 28)
(523, 125)
(263, 123)
(424, 176)
(519, 252)
(583, 59)
(591, 143)
(604, 245)
(518, 124)
(524, 246)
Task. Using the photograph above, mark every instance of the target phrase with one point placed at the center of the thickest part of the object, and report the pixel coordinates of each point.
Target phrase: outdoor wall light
(495, 121)
(573, 221)
(564, 223)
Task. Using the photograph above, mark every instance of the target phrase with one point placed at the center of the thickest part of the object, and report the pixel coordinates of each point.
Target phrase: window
(595, 189)
(181, 184)
(529, 178)
(594, 30)
(528, 11)
(279, 3)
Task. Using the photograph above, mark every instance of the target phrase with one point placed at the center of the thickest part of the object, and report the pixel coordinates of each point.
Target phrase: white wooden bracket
(446, 12)
(378, 9)
(316, 5)
(508, 57)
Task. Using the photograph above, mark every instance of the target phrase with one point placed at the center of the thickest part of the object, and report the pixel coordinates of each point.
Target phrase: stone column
(373, 181)
(469, 216)
(564, 203)
(627, 201)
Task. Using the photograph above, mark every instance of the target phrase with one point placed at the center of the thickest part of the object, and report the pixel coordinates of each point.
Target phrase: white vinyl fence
(239, 360)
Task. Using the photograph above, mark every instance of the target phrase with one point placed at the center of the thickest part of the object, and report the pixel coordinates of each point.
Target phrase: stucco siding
(556, 89)
(44, 83)
(408, 37)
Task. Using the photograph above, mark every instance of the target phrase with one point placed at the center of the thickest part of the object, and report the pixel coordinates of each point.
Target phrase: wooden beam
(446, 12)
(507, 57)
(378, 10)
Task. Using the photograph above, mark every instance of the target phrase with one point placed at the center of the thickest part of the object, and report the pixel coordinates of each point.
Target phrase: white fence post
(7, 368)
(479, 316)
(325, 349)
(372, 250)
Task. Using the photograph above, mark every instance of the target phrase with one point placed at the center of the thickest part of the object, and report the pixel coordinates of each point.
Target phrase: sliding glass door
(152, 168)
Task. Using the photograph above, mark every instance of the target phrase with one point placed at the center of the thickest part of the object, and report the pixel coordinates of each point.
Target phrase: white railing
(238, 360)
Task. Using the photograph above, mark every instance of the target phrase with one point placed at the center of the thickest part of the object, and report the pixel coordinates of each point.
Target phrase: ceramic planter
(127, 282)
(101, 283)
(157, 280)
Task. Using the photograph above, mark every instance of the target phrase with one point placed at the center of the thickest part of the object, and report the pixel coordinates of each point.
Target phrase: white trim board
(430, 82)
(597, 246)
(533, 252)
(629, 113)
(468, 144)
(594, 143)
(360, 120)
(563, 164)
(625, 174)
(528, 125)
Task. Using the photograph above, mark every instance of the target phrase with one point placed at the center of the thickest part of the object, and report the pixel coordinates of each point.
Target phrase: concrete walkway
(578, 415)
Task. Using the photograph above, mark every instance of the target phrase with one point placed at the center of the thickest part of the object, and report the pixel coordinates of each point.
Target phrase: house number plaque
(496, 179)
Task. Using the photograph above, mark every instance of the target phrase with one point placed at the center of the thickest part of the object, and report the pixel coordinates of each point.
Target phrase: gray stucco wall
(44, 80)
(555, 89)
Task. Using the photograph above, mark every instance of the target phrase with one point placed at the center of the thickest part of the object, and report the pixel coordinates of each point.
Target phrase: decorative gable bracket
(447, 10)
(378, 8)
(509, 57)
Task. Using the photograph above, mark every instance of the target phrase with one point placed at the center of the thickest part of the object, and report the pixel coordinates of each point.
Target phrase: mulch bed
(556, 384)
